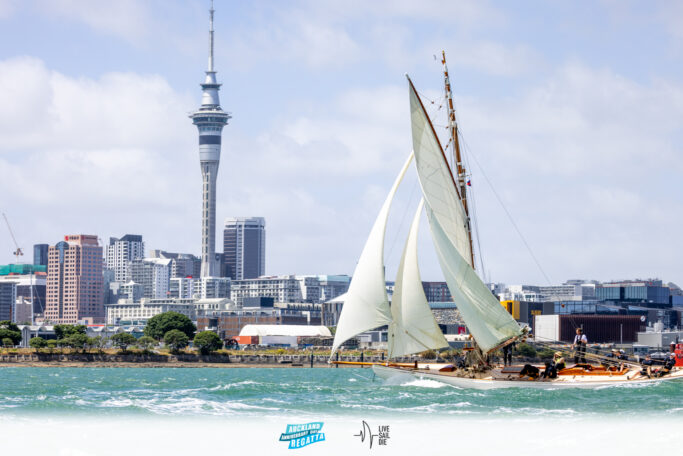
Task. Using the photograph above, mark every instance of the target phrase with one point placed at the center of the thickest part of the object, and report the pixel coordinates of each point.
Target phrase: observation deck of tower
(210, 120)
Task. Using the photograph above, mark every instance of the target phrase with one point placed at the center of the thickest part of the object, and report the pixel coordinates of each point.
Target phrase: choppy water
(257, 392)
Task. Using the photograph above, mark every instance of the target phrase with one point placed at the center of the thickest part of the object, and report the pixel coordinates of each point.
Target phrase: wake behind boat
(412, 327)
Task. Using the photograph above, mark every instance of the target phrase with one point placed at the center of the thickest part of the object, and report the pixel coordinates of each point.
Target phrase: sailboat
(411, 324)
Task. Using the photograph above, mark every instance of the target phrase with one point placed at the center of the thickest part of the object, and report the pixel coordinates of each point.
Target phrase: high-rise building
(210, 120)
(74, 281)
(153, 274)
(120, 252)
(40, 254)
(8, 295)
(183, 265)
(244, 247)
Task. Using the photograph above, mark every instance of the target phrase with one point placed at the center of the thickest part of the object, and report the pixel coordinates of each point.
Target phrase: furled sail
(413, 328)
(487, 320)
(366, 305)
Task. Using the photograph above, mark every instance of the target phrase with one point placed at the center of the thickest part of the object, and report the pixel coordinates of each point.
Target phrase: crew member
(558, 359)
(580, 342)
(507, 354)
(647, 366)
(668, 365)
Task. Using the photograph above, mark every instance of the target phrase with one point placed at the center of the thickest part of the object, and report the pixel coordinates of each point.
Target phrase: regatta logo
(366, 434)
(301, 435)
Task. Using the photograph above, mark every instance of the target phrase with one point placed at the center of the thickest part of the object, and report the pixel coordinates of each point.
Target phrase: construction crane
(18, 252)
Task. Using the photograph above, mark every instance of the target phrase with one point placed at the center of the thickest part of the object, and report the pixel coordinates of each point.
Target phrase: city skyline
(578, 132)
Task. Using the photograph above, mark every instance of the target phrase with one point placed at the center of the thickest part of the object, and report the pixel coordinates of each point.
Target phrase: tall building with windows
(210, 120)
(153, 274)
(244, 247)
(40, 254)
(74, 281)
(120, 252)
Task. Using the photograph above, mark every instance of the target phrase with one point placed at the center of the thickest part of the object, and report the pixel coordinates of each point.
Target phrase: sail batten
(366, 305)
(413, 328)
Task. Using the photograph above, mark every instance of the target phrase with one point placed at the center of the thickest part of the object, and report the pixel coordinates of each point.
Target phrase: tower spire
(211, 38)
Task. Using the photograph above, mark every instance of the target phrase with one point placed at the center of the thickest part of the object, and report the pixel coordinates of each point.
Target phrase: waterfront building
(214, 287)
(228, 324)
(244, 247)
(154, 276)
(120, 252)
(182, 264)
(40, 254)
(645, 291)
(74, 281)
(598, 328)
(332, 286)
(210, 120)
(147, 308)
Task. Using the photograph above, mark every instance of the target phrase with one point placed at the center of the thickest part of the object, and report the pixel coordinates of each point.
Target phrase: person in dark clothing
(647, 366)
(668, 365)
(580, 342)
(529, 370)
(507, 355)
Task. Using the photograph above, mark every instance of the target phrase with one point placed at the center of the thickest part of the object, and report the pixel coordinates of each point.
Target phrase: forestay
(366, 305)
(413, 328)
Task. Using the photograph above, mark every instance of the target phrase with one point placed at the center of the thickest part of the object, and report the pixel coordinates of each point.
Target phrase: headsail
(366, 305)
(413, 328)
(486, 319)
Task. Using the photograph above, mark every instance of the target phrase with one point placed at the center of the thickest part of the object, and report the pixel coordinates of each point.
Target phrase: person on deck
(668, 365)
(558, 359)
(580, 342)
(647, 366)
(507, 354)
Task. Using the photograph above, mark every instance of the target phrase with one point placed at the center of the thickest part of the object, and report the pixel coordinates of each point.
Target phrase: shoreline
(172, 364)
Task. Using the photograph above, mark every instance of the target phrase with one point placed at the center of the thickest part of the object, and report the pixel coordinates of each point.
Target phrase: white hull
(388, 372)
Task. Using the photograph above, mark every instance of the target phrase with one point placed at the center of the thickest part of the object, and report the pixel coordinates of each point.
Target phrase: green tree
(64, 331)
(207, 342)
(146, 343)
(123, 340)
(159, 325)
(77, 340)
(176, 339)
(99, 342)
(7, 342)
(9, 330)
(37, 343)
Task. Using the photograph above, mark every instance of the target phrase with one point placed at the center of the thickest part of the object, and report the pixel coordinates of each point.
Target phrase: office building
(40, 254)
(74, 281)
(182, 264)
(642, 291)
(120, 252)
(244, 247)
(153, 274)
(8, 296)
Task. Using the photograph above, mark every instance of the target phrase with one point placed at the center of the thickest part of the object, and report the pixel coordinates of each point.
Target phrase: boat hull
(389, 372)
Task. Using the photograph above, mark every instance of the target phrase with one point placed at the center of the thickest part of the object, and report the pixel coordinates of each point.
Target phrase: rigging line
(475, 222)
(500, 201)
(403, 219)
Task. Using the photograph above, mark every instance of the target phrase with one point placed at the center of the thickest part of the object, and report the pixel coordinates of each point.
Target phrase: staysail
(366, 305)
(487, 320)
(413, 328)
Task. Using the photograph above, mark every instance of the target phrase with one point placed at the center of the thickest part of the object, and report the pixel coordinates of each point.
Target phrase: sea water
(95, 410)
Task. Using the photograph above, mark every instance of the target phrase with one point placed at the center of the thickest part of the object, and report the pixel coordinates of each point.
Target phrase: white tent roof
(285, 330)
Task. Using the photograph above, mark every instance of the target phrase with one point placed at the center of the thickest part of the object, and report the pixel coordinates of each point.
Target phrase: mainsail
(413, 328)
(366, 305)
(487, 320)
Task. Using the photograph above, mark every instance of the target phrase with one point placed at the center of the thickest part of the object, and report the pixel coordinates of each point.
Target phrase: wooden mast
(453, 130)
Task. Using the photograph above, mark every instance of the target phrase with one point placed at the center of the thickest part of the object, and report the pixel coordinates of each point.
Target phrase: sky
(571, 113)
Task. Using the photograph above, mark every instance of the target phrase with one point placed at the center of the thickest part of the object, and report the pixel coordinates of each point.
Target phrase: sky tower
(210, 120)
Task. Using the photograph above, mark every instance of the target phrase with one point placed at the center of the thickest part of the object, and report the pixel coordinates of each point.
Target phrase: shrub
(428, 354)
(526, 350)
(207, 342)
(7, 342)
(146, 343)
(9, 330)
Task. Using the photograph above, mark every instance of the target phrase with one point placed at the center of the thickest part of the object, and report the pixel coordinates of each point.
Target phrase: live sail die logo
(381, 437)
(301, 435)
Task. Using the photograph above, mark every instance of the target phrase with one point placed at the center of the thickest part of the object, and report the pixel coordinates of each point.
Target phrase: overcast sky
(573, 109)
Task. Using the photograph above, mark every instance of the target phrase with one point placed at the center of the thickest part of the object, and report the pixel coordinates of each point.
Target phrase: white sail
(487, 320)
(436, 179)
(413, 328)
(366, 305)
